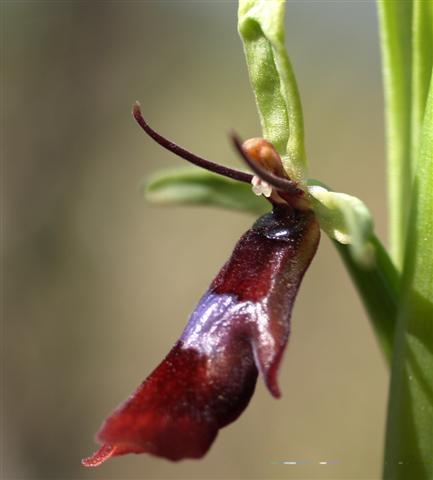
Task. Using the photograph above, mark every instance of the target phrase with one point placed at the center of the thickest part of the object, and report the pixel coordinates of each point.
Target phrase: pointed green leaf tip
(261, 27)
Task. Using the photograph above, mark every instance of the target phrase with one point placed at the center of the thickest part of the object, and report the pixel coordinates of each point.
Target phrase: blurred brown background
(99, 284)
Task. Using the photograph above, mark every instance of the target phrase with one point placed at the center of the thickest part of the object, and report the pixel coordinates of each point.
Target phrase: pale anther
(260, 187)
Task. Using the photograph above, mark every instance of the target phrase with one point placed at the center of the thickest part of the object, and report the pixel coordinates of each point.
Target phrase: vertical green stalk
(422, 44)
(395, 17)
(407, 58)
(409, 443)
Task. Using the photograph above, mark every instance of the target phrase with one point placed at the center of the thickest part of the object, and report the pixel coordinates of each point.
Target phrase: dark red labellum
(240, 326)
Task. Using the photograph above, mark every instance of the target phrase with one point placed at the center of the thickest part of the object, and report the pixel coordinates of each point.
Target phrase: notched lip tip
(89, 463)
(274, 389)
(276, 393)
(271, 378)
(100, 456)
(86, 462)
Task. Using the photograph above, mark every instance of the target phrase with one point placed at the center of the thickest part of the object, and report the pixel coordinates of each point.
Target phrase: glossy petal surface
(241, 325)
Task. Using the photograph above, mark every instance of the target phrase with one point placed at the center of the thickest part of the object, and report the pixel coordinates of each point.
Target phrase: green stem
(422, 44)
(395, 28)
(409, 440)
(407, 58)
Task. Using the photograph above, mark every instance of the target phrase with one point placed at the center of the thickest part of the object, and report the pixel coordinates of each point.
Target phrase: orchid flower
(240, 326)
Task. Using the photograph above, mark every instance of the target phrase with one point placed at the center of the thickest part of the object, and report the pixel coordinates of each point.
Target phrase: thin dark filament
(275, 181)
(185, 154)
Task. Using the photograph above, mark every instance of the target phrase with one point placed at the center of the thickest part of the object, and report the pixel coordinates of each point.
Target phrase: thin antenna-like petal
(185, 154)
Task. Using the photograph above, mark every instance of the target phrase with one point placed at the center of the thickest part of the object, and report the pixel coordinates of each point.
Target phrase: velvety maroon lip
(240, 327)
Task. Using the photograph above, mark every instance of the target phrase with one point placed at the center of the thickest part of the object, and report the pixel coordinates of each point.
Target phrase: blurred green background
(99, 284)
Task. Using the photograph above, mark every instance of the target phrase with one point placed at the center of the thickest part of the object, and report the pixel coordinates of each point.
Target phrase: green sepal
(261, 27)
(194, 186)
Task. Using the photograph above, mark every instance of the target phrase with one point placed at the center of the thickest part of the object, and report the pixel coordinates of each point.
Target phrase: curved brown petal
(241, 324)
